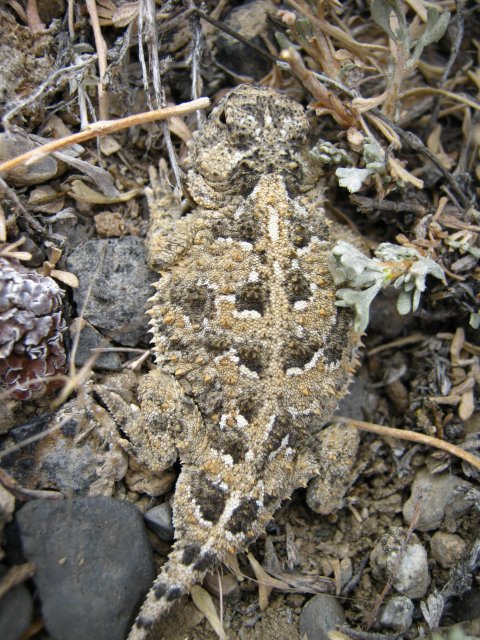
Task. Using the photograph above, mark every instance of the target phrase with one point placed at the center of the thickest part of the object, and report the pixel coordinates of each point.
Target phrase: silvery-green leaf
(434, 31)
(360, 301)
(416, 299)
(381, 10)
(475, 320)
(404, 303)
(351, 178)
(373, 152)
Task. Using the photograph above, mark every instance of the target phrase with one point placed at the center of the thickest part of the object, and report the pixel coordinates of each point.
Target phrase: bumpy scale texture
(252, 352)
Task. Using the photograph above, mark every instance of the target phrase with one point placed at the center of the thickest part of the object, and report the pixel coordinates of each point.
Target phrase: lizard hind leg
(186, 565)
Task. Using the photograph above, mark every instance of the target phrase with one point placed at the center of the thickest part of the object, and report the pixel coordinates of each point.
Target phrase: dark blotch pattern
(190, 553)
(210, 498)
(251, 357)
(160, 590)
(243, 516)
(207, 561)
(337, 341)
(247, 230)
(217, 344)
(301, 235)
(196, 300)
(297, 353)
(280, 428)
(248, 406)
(174, 593)
(144, 623)
(252, 296)
(298, 287)
(232, 443)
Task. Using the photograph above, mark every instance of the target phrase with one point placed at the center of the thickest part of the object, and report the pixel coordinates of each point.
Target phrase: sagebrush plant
(393, 265)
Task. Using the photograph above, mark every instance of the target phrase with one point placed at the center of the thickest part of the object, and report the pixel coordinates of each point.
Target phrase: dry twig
(103, 128)
(412, 436)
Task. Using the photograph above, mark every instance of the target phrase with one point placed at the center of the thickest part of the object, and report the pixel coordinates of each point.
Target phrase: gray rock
(121, 286)
(320, 615)
(94, 564)
(397, 613)
(62, 461)
(447, 548)
(42, 170)
(16, 611)
(91, 339)
(437, 496)
(159, 519)
(251, 21)
(410, 574)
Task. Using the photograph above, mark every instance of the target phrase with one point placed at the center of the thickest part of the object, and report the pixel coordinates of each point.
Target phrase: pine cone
(31, 331)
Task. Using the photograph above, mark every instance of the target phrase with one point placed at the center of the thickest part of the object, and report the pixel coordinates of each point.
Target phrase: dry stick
(102, 128)
(412, 436)
(21, 493)
(148, 31)
(15, 576)
(326, 98)
(196, 53)
(412, 141)
(102, 57)
(455, 50)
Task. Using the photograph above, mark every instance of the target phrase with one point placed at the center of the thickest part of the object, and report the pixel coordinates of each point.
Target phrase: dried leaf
(81, 191)
(365, 104)
(467, 405)
(264, 582)
(400, 173)
(204, 603)
(70, 279)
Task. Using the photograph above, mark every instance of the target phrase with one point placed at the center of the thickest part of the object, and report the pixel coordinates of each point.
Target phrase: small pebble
(42, 170)
(320, 615)
(159, 519)
(397, 613)
(93, 564)
(109, 224)
(220, 586)
(437, 496)
(410, 576)
(447, 548)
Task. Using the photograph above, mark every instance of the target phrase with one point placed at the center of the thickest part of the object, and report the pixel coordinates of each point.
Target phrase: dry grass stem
(103, 128)
(102, 57)
(15, 576)
(412, 436)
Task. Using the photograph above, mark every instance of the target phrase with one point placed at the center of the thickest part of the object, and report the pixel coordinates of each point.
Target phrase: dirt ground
(392, 88)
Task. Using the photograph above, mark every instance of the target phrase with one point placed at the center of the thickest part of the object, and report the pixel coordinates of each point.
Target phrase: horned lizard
(252, 352)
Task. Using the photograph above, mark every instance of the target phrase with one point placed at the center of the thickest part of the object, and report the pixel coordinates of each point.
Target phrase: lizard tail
(187, 564)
